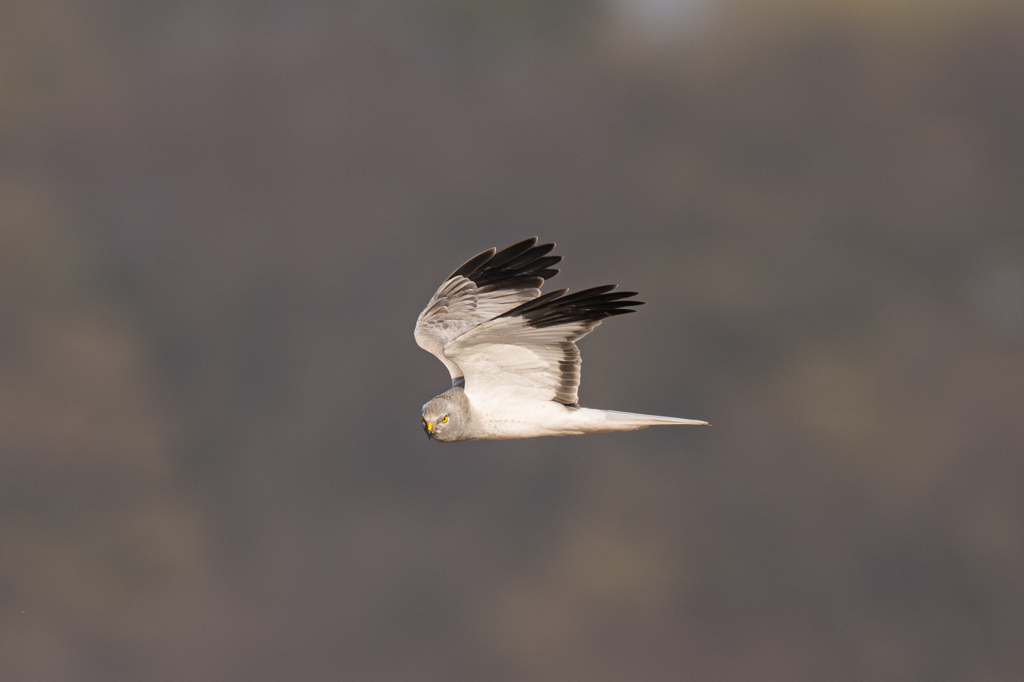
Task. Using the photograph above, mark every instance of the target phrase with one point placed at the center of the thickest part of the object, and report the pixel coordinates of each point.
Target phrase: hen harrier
(512, 351)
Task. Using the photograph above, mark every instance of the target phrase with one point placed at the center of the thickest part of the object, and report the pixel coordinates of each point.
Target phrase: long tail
(595, 421)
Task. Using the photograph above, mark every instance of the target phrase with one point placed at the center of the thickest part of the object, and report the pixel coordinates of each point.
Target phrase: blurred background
(218, 222)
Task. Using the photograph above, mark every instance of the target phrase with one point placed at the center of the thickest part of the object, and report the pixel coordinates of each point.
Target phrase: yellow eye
(444, 419)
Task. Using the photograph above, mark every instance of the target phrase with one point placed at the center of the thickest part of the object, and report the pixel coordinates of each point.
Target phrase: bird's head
(443, 419)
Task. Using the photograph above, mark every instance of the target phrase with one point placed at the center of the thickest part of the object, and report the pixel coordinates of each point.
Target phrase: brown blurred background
(218, 223)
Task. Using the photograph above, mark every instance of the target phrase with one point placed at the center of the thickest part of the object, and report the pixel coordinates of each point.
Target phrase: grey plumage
(511, 351)
(448, 416)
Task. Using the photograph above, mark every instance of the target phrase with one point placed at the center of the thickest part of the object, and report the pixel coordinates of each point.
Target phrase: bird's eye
(444, 419)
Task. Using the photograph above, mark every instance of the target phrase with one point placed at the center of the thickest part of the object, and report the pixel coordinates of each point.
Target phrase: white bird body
(511, 351)
(554, 419)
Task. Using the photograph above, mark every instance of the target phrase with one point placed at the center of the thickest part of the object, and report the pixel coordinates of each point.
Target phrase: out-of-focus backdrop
(218, 222)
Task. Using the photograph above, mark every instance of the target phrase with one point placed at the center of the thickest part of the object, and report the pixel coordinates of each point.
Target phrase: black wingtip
(516, 266)
(512, 252)
(591, 304)
(473, 264)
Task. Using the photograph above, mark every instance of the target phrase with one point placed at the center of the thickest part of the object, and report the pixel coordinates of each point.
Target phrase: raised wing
(529, 353)
(484, 287)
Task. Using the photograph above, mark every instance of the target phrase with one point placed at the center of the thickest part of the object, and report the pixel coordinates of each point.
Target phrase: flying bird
(511, 351)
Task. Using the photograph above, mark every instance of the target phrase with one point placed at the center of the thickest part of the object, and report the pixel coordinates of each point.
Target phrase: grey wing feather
(529, 352)
(484, 287)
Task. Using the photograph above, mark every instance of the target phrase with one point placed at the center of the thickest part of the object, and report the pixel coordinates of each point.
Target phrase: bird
(511, 350)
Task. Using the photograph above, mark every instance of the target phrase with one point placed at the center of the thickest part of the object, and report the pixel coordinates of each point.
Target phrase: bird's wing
(529, 353)
(484, 287)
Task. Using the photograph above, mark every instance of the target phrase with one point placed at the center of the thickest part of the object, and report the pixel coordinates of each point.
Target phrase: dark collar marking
(459, 382)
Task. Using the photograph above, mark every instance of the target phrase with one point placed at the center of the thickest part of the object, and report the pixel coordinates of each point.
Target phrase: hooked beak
(429, 428)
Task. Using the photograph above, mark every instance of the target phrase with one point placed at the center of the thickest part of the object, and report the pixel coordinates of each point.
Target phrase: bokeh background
(218, 222)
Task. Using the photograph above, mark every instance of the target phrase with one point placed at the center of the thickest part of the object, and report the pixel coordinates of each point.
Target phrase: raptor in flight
(512, 351)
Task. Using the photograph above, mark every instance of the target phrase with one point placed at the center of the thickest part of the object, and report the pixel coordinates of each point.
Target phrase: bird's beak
(430, 430)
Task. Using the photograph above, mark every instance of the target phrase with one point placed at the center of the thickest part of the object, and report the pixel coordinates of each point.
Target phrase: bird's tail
(610, 420)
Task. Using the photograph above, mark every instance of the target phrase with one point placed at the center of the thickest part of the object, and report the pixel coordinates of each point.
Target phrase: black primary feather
(520, 266)
(588, 305)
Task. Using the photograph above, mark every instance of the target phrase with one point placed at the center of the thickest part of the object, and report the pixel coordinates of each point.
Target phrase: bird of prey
(512, 353)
